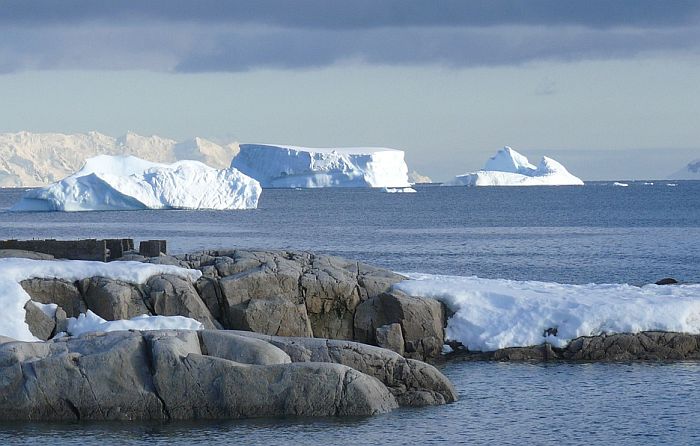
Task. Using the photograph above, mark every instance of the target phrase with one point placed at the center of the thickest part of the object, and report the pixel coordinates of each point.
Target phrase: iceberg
(491, 314)
(301, 167)
(129, 183)
(510, 168)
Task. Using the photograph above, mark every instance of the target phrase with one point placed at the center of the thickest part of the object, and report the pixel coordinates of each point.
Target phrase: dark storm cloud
(209, 35)
(360, 14)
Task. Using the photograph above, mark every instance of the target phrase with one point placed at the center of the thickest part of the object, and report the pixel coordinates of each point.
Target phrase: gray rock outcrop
(421, 322)
(643, 346)
(213, 374)
(279, 293)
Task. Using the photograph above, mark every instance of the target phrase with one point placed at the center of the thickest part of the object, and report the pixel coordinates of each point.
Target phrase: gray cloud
(359, 14)
(209, 35)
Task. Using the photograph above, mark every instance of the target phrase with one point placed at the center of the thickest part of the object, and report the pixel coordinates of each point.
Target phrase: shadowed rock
(178, 374)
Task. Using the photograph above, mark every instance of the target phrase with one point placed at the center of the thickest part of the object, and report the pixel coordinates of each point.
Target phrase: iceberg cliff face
(690, 172)
(130, 183)
(289, 166)
(510, 168)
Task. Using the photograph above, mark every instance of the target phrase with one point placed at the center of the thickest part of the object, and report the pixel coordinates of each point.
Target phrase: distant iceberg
(291, 167)
(510, 168)
(691, 171)
(128, 183)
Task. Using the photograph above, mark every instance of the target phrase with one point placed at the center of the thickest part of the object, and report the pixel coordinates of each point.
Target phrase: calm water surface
(596, 233)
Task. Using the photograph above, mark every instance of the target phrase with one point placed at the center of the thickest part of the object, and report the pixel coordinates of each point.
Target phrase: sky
(609, 88)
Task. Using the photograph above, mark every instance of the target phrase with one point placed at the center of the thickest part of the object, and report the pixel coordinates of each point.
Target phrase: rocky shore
(617, 347)
(209, 374)
(277, 340)
(284, 333)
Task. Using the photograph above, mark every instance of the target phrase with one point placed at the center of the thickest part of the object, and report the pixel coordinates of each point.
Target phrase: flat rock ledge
(619, 347)
(210, 374)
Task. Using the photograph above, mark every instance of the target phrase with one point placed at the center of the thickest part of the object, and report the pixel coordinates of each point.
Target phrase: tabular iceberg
(289, 166)
(129, 183)
(510, 168)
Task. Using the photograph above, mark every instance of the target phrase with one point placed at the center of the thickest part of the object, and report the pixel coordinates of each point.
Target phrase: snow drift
(491, 314)
(510, 168)
(289, 166)
(128, 183)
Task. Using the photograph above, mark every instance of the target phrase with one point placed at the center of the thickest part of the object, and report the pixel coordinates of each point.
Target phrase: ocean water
(596, 233)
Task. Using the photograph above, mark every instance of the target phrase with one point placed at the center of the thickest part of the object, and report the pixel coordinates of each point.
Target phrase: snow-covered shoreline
(493, 314)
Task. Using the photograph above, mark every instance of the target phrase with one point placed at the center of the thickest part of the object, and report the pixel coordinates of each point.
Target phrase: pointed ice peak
(508, 160)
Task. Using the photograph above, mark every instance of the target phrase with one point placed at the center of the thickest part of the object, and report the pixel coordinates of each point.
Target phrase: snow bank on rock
(14, 270)
(90, 322)
(127, 183)
(289, 166)
(492, 313)
(510, 168)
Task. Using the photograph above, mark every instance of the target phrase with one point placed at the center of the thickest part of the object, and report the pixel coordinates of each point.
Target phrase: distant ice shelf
(510, 168)
(291, 167)
(128, 183)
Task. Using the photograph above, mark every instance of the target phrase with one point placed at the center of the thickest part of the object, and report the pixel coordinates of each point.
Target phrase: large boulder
(94, 377)
(421, 321)
(412, 382)
(112, 299)
(40, 324)
(170, 295)
(176, 374)
(56, 291)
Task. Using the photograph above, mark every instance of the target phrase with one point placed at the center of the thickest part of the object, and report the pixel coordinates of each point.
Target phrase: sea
(598, 233)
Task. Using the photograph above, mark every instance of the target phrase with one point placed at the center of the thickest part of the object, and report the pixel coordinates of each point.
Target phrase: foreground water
(597, 233)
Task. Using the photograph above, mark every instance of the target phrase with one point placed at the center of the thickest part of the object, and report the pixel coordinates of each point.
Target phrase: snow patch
(491, 314)
(510, 168)
(128, 183)
(13, 298)
(90, 322)
(290, 166)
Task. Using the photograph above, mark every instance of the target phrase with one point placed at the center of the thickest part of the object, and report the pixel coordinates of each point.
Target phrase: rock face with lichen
(212, 374)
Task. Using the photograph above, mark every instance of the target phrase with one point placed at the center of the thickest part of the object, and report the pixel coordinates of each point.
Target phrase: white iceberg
(494, 313)
(127, 183)
(290, 167)
(618, 184)
(510, 168)
(691, 171)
